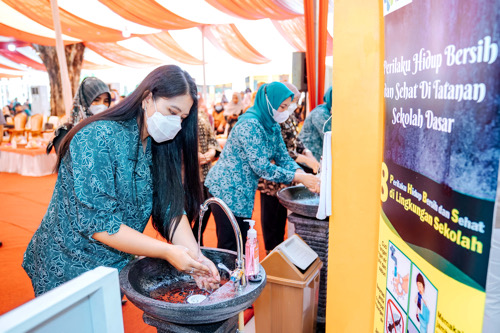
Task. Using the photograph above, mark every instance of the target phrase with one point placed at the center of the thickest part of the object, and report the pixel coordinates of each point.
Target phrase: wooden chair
(36, 126)
(54, 121)
(19, 126)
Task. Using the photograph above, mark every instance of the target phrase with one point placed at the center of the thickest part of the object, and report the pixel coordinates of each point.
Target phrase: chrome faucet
(238, 275)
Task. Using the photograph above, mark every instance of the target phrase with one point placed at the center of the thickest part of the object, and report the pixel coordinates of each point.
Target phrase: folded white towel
(325, 196)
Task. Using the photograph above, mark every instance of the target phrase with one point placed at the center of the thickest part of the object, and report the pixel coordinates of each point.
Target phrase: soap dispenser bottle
(252, 253)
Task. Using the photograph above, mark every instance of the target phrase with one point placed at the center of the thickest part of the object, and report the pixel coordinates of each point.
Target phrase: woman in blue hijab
(254, 149)
(316, 124)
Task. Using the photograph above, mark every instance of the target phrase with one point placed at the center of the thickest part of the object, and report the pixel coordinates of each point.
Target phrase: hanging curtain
(89, 65)
(20, 58)
(71, 25)
(123, 56)
(10, 76)
(322, 46)
(164, 42)
(295, 6)
(228, 38)
(7, 31)
(8, 67)
(294, 32)
(148, 13)
(258, 9)
(310, 52)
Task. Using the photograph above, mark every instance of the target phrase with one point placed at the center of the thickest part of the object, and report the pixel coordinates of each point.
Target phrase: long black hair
(175, 170)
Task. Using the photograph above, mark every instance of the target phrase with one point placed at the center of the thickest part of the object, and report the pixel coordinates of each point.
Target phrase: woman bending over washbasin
(136, 160)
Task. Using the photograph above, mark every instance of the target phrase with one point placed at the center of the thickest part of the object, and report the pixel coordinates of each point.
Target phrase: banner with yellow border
(441, 163)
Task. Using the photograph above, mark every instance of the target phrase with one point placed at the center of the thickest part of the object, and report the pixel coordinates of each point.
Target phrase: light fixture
(11, 47)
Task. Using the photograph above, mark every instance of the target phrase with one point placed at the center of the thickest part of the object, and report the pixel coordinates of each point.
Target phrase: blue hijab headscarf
(327, 98)
(277, 92)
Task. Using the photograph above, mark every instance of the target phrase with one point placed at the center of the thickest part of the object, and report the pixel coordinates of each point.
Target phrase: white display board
(88, 303)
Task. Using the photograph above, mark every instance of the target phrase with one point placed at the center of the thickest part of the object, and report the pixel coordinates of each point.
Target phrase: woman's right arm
(131, 241)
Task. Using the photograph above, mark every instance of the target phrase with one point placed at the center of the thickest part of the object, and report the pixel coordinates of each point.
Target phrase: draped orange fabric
(310, 52)
(322, 45)
(294, 32)
(123, 56)
(164, 42)
(228, 38)
(20, 58)
(17, 43)
(148, 13)
(7, 31)
(255, 9)
(89, 65)
(10, 76)
(71, 25)
(8, 67)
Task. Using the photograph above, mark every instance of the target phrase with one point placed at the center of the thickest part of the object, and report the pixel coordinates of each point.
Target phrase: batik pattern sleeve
(258, 148)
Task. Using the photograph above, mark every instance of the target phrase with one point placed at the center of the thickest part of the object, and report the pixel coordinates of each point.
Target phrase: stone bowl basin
(299, 200)
(145, 278)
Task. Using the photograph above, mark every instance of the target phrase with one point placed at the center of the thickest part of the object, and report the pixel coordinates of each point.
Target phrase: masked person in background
(254, 149)
(233, 110)
(92, 97)
(272, 213)
(117, 169)
(219, 118)
(316, 124)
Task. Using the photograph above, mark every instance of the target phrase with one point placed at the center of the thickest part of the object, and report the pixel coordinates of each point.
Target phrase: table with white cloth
(27, 161)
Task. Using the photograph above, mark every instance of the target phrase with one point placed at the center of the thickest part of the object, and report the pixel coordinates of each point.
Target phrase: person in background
(2, 124)
(6, 112)
(219, 118)
(252, 146)
(316, 124)
(91, 98)
(18, 108)
(247, 99)
(118, 169)
(273, 214)
(208, 150)
(27, 105)
(115, 96)
(233, 110)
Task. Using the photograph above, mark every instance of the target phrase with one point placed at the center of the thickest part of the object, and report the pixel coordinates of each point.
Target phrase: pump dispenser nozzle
(252, 233)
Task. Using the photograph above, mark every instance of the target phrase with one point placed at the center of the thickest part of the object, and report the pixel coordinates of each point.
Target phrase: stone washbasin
(144, 280)
(299, 200)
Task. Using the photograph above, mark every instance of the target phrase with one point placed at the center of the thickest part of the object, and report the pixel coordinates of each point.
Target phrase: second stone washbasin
(163, 292)
(299, 200)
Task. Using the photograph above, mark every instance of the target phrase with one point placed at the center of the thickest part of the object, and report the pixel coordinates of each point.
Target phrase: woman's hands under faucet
(207, 281)
(186, 257)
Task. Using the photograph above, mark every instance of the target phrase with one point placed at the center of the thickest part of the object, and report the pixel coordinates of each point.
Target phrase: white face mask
(280, 117)
(95, 109)
(292, 108)
(163, 128)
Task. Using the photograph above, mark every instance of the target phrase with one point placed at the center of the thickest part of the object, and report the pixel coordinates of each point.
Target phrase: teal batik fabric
(312, 132)
(316, 124)
(104, 182)
(246, 157)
